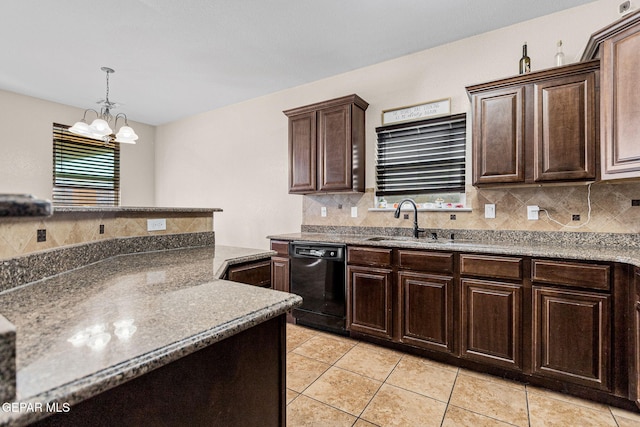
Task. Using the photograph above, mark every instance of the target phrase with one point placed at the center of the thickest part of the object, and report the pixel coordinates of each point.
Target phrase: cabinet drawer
(437, 262)
(255, 273)
(491, 266)
(280, 246)
(591, 276)
(369, 256)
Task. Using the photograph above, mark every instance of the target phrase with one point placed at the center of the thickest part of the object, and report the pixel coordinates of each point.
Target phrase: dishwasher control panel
(316, 250)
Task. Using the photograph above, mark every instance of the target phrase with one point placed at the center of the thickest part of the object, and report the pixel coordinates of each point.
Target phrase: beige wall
(235, 158)
(26, 150)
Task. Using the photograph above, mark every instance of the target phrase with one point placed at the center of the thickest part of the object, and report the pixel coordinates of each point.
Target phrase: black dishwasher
(318, 275)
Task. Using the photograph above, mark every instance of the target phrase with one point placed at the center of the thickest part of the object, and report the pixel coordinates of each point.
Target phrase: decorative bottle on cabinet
(559, 54)
(525, 61)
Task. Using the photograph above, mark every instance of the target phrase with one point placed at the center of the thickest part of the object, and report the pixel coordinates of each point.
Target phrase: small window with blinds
(422, 157)
(86, 172)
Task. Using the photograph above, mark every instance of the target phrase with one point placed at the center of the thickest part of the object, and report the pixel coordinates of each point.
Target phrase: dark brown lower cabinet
(572, 336)
(280, 273)
(492, 322)
(256, 273)
(426, 310)
(370, 301)
(569, 325)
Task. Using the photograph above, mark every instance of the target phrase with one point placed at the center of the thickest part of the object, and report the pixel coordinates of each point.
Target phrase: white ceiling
(176, 58)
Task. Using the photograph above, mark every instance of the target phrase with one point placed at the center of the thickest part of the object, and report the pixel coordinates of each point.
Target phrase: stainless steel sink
(391, 239)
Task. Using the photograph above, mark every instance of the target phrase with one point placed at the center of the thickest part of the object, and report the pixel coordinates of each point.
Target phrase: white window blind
(86, 172)
(426, 156)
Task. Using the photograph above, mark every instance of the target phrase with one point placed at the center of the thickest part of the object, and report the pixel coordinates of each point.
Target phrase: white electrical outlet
(354, 212)
(532, 212)
(489, 210)
(156, 224)
(323, 211)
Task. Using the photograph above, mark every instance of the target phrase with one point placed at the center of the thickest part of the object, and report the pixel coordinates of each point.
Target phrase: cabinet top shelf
(536, 76)
(593, 45)
(349, 99)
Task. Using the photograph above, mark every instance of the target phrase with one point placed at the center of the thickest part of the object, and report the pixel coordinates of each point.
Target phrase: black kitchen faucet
(416, 229)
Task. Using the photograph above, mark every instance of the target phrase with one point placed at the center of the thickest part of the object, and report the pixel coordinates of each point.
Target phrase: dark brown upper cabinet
(617, 46)
(536, 128)
(327, 146)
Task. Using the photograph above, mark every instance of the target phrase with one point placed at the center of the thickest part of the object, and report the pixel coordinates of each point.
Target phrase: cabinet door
(280, 273)
(334, 140)
(565, 128)
(370, 301)
(426, 310)
(571, 336)
(620, 105)
(302, 153)
(492, 322)
(498, 136)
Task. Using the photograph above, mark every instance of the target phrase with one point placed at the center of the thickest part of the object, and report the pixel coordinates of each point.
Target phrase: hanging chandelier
(99, 128)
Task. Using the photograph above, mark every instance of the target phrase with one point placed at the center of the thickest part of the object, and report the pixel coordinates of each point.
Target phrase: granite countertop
(588, 252)
(21, 205)
(17, 205)
(90, 329)
(131, 209)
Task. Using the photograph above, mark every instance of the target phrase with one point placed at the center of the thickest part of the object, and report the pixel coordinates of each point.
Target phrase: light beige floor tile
(344, 390)
(302, 371)
(439, 365)
(337, 337)
(567, 398)
(626, 422)
(291, 395)
(627, 415)
(458, 417)
(324, 349)
(370, 361)
(297, 335)
(304, 412)
(544, 411)
(493, 378)
(416, 375)
(363, 423)
(490, 398)
(393, 406)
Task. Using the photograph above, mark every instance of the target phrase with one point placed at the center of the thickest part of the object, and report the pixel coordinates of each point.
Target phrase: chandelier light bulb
(126, 135)
(100, 128)
(81, 128)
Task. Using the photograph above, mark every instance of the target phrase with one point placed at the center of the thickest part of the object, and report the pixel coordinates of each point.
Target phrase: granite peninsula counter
(127, 318)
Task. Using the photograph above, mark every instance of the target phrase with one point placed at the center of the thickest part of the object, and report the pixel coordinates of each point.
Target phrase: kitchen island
(147, 339)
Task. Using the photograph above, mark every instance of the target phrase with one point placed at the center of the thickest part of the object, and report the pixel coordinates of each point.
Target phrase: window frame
(86, 172)
(408, 135)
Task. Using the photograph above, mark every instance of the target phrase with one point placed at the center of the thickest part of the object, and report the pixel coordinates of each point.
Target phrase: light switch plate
(156, 224)
(354, 212)
(489, 210)
(323, 211)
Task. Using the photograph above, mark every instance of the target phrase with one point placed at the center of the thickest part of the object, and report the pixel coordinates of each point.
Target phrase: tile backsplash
(611, 209)
(18, 236)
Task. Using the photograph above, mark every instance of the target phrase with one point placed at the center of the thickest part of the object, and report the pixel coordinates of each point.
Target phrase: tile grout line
(378, 390)
(526, 395)
(446, 409)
